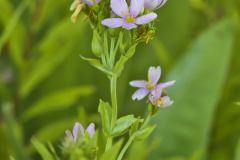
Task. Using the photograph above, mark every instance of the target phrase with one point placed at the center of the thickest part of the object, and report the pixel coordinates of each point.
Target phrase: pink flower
(129, 17)
(151, 88)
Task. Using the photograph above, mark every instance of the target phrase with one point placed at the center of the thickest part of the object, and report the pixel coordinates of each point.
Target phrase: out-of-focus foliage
(45, 86)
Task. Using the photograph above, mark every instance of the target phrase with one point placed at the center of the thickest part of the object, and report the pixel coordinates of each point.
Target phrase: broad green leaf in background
(185, 127)
(42, 150)
(57, 101)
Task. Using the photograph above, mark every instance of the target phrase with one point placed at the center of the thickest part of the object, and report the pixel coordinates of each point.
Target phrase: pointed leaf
(123, 124)
(105, 111)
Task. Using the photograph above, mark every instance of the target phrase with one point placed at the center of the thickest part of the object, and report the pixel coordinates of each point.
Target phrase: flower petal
(113, 22)
(151, 4)
(166, 84)
(89, 2)
(166, 101)
(76, 128)
(156, 92)
(129, 26)
(120, 7)
(154, 74)
(146, 18)
(140, 94)
(136, 7)
(91, 129)
(138, 83)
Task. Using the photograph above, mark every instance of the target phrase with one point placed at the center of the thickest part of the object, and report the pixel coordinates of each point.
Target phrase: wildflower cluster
(112, 48)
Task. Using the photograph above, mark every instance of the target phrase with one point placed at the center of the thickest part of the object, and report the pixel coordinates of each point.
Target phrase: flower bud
(154, 4)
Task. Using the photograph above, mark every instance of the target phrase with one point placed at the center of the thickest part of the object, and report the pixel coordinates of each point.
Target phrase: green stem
(131, 139)
(114, 99)
(109, 143)
(113, 82)
(126, 146)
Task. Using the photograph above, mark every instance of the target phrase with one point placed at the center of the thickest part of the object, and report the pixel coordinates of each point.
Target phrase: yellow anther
(130, 19)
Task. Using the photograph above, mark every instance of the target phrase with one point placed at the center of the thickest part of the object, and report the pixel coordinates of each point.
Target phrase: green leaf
(56, 101)
(199, 76)
(13, 22)
(144, 133)
(42, 150)
(97, 64)
(123, 59)
(53, 50)
(97, 48)
(112, 153)
(105, 111)
(123, 124)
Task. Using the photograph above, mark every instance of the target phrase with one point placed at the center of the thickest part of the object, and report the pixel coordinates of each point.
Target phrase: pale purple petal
(151, 4)
(113, 22)
(136, 7)
(140, 94)
(154, 74)
(146, 18)
(138, 83)
(89, 2)
(156, 92)
(120, 7)
(166, 84)
(91, 129)
(166, 101)
(129, 26)
(76, 128)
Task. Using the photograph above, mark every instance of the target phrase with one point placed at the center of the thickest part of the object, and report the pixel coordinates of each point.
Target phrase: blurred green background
(45, 87)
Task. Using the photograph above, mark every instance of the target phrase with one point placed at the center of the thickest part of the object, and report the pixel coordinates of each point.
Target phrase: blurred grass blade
(42, 150)
(54, 49)
(13, 133)
(199, 76)
(54, 130)
(13, 22)
(56, 101)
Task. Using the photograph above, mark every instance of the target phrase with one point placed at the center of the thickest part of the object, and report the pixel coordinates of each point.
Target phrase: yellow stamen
(130, 19)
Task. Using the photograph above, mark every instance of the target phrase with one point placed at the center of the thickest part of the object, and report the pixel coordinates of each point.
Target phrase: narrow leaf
(123, 124)
(105, 111)
(56, 101)
(42, 150)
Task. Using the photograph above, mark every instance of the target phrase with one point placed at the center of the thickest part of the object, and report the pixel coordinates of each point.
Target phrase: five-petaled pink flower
(129, 17)
(151, 87)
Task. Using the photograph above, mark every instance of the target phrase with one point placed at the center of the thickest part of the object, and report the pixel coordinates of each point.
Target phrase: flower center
(159, 102)
(150, 86)
(130, 19)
